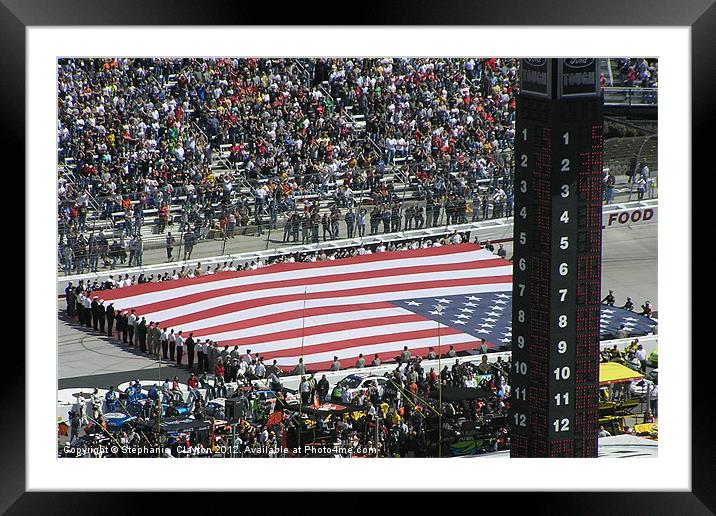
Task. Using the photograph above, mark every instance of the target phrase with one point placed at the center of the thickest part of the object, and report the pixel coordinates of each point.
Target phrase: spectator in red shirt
(193, 381)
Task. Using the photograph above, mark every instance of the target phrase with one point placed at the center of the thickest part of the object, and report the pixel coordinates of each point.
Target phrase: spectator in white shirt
(641, 356)
(131, 322)
(164, 338)
(179, 342)
(260, 369)
(201, 356)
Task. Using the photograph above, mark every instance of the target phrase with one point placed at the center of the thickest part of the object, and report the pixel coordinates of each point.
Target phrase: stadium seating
(336, 95)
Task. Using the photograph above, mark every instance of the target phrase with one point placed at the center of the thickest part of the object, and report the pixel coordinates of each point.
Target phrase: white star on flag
(493, 313)
(443, 300)
(489, 319)
(463, 316)
(501, 302)
(466, 310)
(469, 304)
(459, 322)
(503, 296)
(473, 298)
(413, 303)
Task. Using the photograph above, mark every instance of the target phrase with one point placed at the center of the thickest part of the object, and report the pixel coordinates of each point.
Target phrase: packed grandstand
(171, 153)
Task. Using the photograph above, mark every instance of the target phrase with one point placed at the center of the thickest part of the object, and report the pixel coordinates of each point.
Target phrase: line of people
(647, 309)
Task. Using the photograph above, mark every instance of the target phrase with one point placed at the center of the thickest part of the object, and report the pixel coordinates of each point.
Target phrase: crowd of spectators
(135, 141)
(404, 414)
(638, 72)
(633, 355)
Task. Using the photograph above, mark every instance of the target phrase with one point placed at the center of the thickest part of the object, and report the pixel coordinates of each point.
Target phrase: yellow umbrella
(613, 372)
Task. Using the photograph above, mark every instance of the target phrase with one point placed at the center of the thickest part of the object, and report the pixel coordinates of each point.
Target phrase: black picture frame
(699, 15)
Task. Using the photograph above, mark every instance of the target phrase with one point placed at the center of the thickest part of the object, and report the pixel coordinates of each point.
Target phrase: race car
(357, 384)
(638, 389)
(215, 408)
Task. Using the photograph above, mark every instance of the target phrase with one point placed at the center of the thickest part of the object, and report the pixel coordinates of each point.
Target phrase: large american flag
(372, 304)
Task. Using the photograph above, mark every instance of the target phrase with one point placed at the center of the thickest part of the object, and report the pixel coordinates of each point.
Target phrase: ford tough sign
(536, 76)
(578, 77)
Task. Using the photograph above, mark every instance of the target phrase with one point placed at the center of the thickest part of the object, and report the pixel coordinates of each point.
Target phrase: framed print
(55, 65)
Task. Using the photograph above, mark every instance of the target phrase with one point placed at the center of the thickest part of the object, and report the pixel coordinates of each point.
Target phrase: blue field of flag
(489, 316)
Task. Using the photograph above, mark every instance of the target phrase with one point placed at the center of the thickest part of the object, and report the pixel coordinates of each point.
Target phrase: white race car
(357, 384)
(639, 388)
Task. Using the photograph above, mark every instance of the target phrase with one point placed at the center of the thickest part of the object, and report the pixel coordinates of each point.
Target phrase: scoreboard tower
(557, 259)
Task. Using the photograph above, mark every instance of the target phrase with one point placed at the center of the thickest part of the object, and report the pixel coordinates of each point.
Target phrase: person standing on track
(164, 337)
(101, 315)
(172, 345)
(179, 340)
(80, 307)
(142, 335)
(190, 350)
(120, 324)
(88, 311)
(109, 314)
(170, 246)
(94, 308)
(200, 349)
(125, 327)
(156, 340)
(130, 326)
(70, 309)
